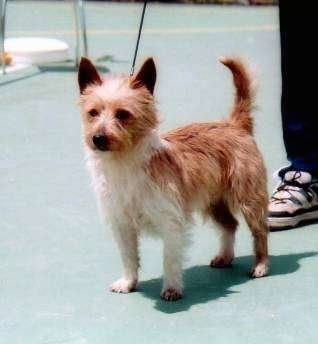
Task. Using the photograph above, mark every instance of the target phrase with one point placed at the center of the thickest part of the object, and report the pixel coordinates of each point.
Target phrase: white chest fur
(127, 194)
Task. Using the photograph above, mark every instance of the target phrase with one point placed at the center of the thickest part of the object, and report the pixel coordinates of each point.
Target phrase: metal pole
(83, 25)
(77, 43)
(2, 33)
(80, 27)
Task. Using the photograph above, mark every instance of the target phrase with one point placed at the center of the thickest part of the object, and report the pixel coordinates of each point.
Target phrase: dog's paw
(171, 294)
(123, 285)
(222, 261)
(260, 270)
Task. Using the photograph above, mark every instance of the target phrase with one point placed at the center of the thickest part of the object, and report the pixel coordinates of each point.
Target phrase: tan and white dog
(147, 180)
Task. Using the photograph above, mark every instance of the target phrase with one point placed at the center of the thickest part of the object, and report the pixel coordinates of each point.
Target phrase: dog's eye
(93, 112)
(123, 115)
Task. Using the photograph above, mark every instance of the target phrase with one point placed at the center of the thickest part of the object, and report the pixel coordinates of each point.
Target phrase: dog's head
(117, 111)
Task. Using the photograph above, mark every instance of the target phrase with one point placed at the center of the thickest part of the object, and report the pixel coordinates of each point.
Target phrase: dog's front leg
(127, 240)
(172, 263)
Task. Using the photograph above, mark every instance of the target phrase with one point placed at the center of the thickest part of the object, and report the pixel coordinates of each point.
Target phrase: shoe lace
(290, 187)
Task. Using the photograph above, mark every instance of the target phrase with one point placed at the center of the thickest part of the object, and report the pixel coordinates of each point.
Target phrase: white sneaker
(295, 201)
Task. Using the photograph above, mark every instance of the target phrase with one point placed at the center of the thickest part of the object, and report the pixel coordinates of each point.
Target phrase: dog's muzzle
(101, 142)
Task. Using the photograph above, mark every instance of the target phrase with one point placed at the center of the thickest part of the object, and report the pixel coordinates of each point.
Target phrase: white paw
(260, 270)
(123, 285)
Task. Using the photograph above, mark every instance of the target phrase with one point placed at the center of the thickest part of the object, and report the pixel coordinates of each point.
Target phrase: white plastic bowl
(35, 50)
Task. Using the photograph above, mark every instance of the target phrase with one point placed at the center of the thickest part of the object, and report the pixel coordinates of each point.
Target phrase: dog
(156, 182)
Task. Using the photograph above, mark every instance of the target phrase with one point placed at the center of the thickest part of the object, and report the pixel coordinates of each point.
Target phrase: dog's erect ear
(146, 75)
(87, 74)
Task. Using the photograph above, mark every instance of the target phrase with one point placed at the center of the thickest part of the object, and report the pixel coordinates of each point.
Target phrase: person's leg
(299, 83)
(295, 201)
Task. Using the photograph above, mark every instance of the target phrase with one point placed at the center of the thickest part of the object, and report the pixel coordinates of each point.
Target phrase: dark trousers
(299, 65)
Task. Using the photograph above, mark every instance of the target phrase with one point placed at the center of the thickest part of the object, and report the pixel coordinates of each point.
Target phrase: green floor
(57, 259)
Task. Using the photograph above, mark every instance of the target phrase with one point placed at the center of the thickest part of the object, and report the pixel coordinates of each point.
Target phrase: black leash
(138, 39)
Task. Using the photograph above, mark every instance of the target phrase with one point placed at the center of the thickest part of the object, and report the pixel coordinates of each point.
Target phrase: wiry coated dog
(147, 180)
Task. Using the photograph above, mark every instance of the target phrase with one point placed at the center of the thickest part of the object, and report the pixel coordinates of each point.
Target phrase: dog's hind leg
(255, 218)
(227, 224)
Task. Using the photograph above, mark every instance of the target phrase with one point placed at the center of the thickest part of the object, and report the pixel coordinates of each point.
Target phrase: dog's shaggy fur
(145, 180)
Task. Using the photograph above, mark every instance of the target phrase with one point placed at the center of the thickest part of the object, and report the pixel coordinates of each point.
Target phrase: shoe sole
(283, 223)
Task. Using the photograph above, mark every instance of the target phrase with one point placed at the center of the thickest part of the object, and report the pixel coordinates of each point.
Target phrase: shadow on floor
(203, 284)
(68, 66)
(33, 71)
(10, 78)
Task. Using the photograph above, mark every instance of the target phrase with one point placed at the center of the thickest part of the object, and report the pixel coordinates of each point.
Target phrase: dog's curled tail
(244, 98)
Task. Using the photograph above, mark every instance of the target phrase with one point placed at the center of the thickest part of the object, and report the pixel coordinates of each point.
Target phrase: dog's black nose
(101, 142)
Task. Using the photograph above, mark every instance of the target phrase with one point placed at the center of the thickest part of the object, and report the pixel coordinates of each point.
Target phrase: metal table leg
(80, 26)
(2, 32)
